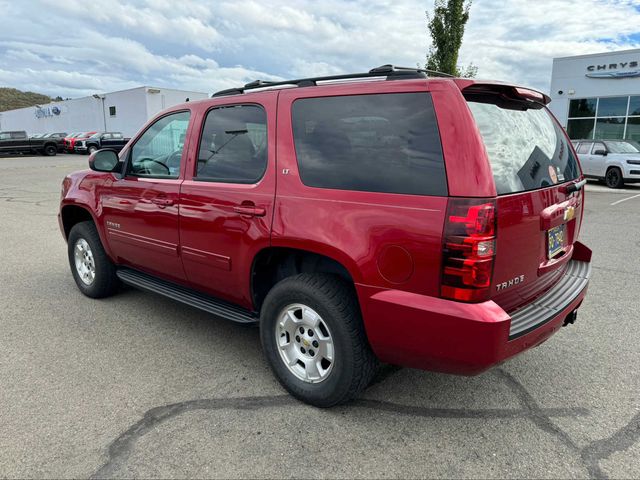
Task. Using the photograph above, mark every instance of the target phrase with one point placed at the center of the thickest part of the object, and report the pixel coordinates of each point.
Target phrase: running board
(186, 295)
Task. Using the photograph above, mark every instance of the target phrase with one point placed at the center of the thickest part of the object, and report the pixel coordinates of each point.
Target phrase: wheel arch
(275, 263)
(73, 214)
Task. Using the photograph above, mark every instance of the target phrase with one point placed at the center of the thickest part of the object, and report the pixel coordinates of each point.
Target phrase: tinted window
(633, 129)
(634, 106)
(378, 143)
(610, 128)
(526, 147)
(584, 107)
(233, 148)
(612, 107)
(598, 146)
(580, 128)
(584, 148)
(158, 151)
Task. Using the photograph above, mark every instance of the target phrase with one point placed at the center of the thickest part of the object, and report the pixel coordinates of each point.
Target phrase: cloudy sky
(74, 48)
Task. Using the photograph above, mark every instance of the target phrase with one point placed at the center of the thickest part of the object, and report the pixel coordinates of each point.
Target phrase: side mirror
(104, 160)
(600, 152)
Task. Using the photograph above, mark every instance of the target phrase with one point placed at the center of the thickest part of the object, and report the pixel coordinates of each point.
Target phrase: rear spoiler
(480, 87)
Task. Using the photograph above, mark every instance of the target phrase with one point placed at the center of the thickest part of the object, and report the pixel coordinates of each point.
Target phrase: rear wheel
(314, 339)
(50, 150)
(93, 271)
(613, 178)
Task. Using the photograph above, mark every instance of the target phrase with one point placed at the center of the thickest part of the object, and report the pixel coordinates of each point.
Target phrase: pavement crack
(604, 448)
(119, 450)
(537, 415)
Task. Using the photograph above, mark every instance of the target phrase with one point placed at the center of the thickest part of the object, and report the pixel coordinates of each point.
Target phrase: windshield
(621, 147)
(526, 147)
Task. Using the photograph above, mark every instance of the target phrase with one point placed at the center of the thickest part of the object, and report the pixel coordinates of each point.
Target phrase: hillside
(11, 98)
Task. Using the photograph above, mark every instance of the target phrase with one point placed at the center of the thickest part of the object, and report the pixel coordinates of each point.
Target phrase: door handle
(162, 201)
(250, 210)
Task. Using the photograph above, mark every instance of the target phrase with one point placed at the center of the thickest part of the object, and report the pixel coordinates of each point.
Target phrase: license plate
(555, 240)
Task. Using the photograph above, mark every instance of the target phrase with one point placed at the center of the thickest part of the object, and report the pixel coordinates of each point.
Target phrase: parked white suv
(615, 161)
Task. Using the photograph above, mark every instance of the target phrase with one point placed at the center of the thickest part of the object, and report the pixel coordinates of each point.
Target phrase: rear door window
(584, 148)
(527, 149)
(378, 143)
(233, 148)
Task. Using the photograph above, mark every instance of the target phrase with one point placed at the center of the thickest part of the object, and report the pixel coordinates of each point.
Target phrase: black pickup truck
(19, 142)
(114, 140)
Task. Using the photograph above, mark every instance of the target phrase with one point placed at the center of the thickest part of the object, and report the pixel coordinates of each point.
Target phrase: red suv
(386, 216)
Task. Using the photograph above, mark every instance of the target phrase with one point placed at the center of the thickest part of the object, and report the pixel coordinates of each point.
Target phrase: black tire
(91, 149)
(105, 282)
(50, 150)
(613, 178)
(336, 302)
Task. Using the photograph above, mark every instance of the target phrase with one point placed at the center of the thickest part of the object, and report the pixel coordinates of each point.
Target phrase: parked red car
(421, 221)
(70, 141)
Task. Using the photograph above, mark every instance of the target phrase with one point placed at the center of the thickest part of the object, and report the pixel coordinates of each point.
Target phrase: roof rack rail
(390, 71)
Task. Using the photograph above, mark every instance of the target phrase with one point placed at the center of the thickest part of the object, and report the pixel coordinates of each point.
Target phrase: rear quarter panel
(384, 240)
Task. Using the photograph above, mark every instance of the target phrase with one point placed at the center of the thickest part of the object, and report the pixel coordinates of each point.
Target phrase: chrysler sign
(614, 70)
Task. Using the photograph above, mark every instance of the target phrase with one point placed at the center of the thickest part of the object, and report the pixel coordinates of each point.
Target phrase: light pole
(104, 116)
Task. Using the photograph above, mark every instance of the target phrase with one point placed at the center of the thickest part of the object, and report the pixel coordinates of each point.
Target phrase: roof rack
(390, 71)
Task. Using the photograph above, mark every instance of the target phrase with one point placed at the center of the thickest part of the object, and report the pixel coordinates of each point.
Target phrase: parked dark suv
(114, 140)
(421, 221)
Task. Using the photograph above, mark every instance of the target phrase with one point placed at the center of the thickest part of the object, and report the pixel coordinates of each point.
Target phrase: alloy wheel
(84, 262)
(305, 343)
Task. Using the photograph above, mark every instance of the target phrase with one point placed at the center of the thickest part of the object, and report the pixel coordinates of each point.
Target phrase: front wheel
(314, 339)
(92, 149)
(92, 269)
(613, 178)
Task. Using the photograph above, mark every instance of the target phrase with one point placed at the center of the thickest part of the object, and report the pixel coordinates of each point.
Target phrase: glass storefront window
(609, 128)
(580, 129)
(584, 107)
(613, 107)
(633, 129)
(634, 106)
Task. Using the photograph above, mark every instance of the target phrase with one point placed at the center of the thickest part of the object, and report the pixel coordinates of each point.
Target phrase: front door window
(158, 152)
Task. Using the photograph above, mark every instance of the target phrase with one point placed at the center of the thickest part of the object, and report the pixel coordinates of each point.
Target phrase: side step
(186, 295)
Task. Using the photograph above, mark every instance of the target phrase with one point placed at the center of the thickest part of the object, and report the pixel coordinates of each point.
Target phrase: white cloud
(74, 47)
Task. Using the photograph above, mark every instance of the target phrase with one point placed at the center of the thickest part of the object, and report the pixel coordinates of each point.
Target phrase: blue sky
(74, 48)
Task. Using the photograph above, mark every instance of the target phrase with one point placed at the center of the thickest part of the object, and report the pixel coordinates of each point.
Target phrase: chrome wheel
(304, 342)
(85, 264)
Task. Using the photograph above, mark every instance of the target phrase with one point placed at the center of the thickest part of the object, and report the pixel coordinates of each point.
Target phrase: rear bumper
(464, 338)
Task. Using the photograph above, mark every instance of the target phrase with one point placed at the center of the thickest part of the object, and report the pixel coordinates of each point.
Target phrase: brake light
(469, 249)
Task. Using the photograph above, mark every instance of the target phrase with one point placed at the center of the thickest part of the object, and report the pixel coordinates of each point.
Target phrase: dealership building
(598, 96)
(123, 111)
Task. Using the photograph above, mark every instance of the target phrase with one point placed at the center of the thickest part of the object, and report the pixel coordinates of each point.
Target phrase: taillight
(469, 249)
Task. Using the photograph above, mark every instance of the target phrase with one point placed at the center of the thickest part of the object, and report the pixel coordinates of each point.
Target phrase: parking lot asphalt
(138, 385)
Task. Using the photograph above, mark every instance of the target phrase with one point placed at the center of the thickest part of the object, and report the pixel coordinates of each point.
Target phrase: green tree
(446, 27)
(11, 98)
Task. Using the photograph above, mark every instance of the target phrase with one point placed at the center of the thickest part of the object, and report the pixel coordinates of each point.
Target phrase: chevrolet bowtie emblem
(569, 213)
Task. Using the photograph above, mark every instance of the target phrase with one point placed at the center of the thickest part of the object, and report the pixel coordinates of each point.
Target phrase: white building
(598, 96)
(125, 111)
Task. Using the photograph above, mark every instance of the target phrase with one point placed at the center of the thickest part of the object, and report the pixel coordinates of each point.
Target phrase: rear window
(526, 147)
(378, 143)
